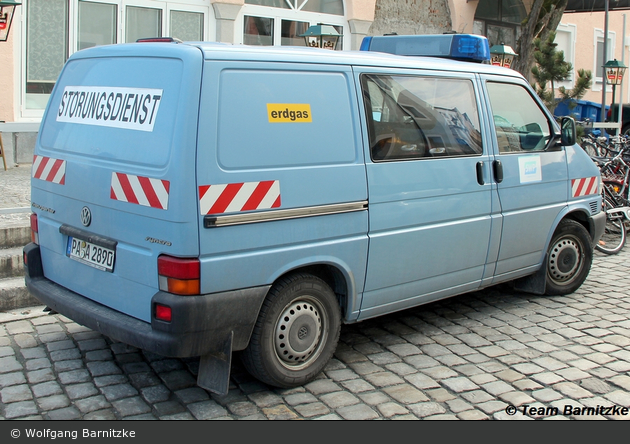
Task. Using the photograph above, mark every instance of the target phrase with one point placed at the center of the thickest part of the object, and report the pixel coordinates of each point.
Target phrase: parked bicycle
(600, 146)
(615, 173)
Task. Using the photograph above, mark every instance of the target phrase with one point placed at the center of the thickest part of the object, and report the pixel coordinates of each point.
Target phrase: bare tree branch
(543, 18)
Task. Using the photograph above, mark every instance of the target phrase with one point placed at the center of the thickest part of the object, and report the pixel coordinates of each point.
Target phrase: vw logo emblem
(86, 216)
(302, 332)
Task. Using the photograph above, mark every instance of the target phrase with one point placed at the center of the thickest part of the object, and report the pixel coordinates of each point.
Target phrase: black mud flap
(535, 283)
(214, 368)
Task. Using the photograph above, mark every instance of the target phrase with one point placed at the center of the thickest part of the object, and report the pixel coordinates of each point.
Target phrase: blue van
(199, 199)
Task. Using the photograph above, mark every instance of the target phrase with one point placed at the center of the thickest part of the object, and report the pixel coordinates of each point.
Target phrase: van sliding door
(429, 197)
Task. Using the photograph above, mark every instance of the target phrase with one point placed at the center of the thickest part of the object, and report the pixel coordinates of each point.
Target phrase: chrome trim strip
(212, 221)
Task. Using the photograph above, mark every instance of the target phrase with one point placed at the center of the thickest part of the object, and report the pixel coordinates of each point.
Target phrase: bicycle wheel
(590, 148)
(614, 237)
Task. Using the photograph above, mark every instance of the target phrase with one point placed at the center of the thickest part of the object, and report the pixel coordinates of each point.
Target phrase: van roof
(294, 54)
(358, 58)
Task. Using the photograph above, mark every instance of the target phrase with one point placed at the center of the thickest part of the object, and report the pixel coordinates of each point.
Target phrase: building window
(54, 29)
(599, 56)
(269, 3)
(565, 39)
(291, 31)
(599, 53)
(322, 6)
(97, 24)
(187, 26)
(281, 22)
(499, 21)
(46, 48)
(142, 23)
(509, 11)
(258, 31)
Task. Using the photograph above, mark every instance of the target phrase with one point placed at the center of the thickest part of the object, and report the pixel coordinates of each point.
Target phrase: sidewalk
(15, 210)
(15, 195)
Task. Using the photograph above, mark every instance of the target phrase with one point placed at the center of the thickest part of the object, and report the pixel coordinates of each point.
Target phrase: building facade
(46, 32)
(581, 37)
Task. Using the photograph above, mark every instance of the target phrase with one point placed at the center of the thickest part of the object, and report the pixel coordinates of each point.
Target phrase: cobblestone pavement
(470, 357)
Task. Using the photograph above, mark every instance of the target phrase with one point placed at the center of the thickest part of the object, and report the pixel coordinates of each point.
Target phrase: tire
(614, 237)
(296, 332)
(569, 258)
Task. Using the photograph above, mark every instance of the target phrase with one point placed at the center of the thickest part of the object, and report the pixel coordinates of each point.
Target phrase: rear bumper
(201, 324)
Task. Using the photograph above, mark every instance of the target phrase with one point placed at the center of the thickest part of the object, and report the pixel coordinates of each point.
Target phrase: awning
(596, 5)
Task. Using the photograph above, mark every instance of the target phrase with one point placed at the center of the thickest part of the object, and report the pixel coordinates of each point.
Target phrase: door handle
(480, 173)
(497, 167)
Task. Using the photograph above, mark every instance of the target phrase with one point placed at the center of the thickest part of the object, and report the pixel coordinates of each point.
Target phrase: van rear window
(118, 109)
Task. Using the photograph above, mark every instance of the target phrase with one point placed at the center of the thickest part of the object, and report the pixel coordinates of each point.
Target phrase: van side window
(519, 123)
(412, 117)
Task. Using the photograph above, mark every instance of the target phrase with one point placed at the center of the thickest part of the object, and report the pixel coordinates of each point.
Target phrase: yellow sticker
(289, 112)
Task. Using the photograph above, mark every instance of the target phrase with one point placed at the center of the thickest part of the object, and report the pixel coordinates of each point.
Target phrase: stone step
(14, 294)
(14, 232)
(11, 262)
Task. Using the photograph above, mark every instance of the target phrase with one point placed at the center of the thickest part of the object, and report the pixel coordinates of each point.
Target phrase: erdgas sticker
(289, 112)
(131, 108)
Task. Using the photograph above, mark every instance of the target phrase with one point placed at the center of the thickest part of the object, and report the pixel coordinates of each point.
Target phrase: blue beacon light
(467, 47)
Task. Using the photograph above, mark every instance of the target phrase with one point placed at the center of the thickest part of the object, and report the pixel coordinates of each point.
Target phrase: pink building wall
(586, 25)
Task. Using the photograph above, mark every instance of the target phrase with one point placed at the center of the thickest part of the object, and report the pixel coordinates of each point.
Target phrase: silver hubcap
(564, 260)
(298, 335)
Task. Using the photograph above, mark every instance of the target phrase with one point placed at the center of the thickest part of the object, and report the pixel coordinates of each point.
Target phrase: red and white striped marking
(584, 186)
(140, 190)
(235, 197)
(49, 169)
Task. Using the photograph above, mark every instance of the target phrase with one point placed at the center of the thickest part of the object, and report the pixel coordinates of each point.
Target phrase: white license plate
(91, 254)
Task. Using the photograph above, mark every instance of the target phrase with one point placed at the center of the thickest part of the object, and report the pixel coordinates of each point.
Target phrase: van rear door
(113, 175)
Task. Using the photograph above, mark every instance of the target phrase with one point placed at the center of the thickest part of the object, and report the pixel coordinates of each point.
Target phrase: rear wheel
(296, 332)
(569, 258)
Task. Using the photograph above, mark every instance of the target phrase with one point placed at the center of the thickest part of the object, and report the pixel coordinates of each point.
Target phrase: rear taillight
(34, 229)
(179, 275)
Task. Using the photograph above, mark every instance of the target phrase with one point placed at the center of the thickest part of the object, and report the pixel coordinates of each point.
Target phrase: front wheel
(569, 258)
(296, 332)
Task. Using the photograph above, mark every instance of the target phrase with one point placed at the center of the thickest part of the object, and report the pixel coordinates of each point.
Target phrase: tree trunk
(539, 24)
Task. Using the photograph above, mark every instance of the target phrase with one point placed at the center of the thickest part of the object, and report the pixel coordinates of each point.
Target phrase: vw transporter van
(199, 199)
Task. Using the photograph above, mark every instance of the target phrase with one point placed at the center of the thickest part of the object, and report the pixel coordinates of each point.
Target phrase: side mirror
(568, 131)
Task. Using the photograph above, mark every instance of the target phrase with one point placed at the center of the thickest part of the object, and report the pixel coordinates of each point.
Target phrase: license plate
(91, 254)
